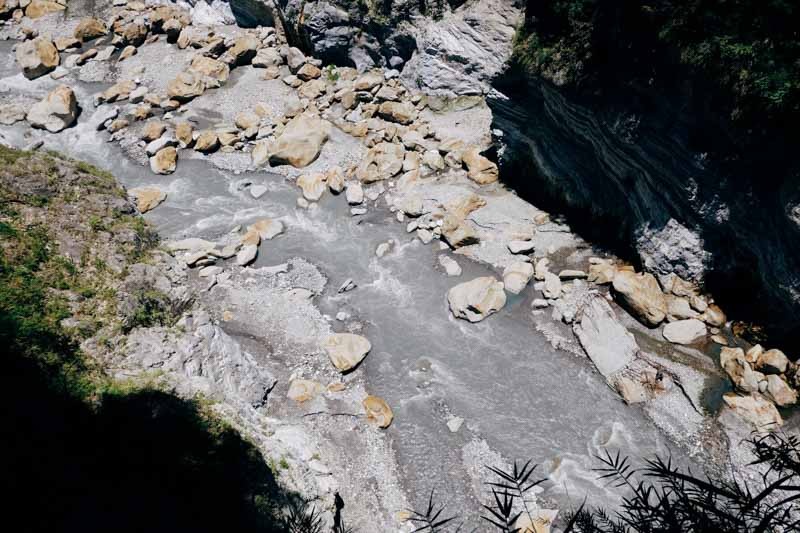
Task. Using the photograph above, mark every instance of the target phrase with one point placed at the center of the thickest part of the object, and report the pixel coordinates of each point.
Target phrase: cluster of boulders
(763, 379)
(33, 9)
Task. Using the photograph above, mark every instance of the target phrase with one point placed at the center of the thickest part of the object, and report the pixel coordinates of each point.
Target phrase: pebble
(257, 191)
(454, 424)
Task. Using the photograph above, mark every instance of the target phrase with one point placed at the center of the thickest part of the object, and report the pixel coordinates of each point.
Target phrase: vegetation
(740, 56)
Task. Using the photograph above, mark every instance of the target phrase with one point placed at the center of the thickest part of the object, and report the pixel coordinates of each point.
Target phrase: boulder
(335, 179)
(754, 409)
(133, 33)
(295, 59)
(243, 50)
(303, 390)
(207, 141)
(165, 161)
(479, 169)
(245, 120)
(309, 72)
(450, 266)
(58, 110)
(732, 360)
(476, 299)
(772, 362)
(11, 114)
(609, 345)
(602, 272)
(40, 8)
(184, 133)
(383, 161)
(685, 331)
(552, 286)
(520, 247)
(185, 87)
(147, 198)
(267, 57)
(641, 294)
(516, 276)
(267, 228)
(313, 185)
(119, 91)
(90, 28)
(346, 350)
(368, 81)
(153, 130)
(354, 193)
(780, 392)
(714, 316)
(213, 72)
(37, 57)
(301, 141)
(457, 233)
(400, 112)
(378, 411)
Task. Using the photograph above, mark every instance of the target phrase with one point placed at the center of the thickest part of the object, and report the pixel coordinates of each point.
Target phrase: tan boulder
(243, 50)
(300, 142)
(642, 295)
(476, 299)
(90, 28)
(754, 409)
(516, 276)
(368, 81)
(11, 114)
(119, 91)
(185, 86)
(267, 228)
(66, 43)
(58, 110)
(133, 33)
(147, 198)
(457, 233)
(313, 185)
(346, 350)
(247, 119)
(40, 8)
(733, 361)
(308, 72)
(165, 161)
(153, 130)
(383, 161)
(37, 57)
(539, 521)
(183, 132)
(780, 392)
(213, 72)
(400, 112)
(303, 390)
(772, 362)
(479, 169)
(207, 141)
(378, 411)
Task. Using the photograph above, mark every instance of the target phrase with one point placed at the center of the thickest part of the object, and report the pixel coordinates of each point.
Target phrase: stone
(368, 81)
(520, 247)
(602, 273)
(147, 198)
(313, 185)
(450, 266)
(66, 43)
(479, 169)
(247, 254)
(213, 72)
(516, 276)
(714, 316)
(267, 228)
(539, 521)
(609, 345)
(243, 50)
(246, 119)
(679, 308)
(37, 57)
(687, 331)
(40, 8)
(552, 286)
(346, 350)
(308, 72)
(642, 295)
(11, 114)
(165, 161)
(267, 57)
(378, 411)
(354, 193)
(295, 59)
(476, 299)
(457, 233)
(335, 180)
(185, 87)
(301, 141)
(400, 112)
(772, 362)
(454, 424)
(57, 111)
(184, 133)
(86, 56)
(732, 360)
(541, 268)
(90, 28)
(780, 392)
(153, 130)
(207, 141)
(119, 91)
(755, 409)
(118, 124)
(383, 161)
(303, 390)
(155, 146)
(209, 271)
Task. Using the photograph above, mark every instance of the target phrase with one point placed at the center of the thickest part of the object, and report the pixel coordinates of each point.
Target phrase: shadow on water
(133, 461)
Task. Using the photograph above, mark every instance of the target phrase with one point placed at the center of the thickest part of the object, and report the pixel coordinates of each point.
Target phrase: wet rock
(383, 161)
(772, 362)
(58, 110)
(313, 185)
(147, 198)
(346, 350)
(301, 141)
(608, 343)
(303, 390)
(755, 409)
(641, 294)
(516, 276)
(90, 28)
(479, 169)
(37, 57)
(165, 161)
(450, 266)
(476, 299)
(685, 331)
(780, 392)
(378, 411)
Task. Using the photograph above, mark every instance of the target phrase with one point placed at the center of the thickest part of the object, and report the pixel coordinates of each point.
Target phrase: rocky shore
(255, 160)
